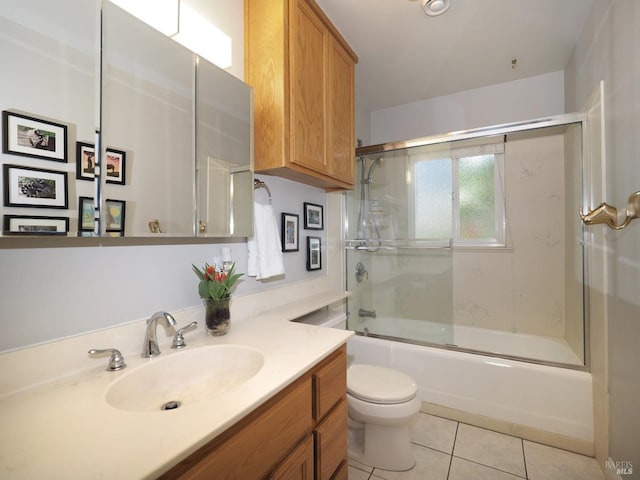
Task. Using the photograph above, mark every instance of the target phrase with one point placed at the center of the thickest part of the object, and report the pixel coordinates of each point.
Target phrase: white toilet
(381, 403)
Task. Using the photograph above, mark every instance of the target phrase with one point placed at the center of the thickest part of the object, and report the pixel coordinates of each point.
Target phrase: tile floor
(449, 450)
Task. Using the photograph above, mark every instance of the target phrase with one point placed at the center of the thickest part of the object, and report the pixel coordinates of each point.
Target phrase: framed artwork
(290, 229)
(86, 214)
(85, 161)
(313, 219)
(35, 225)
(314, 262)
(114, 216)
(115, 162)
(34, 187)
(33, 137)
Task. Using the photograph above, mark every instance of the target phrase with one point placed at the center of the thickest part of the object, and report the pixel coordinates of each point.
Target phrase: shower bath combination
(490, 297)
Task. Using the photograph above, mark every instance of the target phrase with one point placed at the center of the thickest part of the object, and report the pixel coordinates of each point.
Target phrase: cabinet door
(257, 446)
(298, 465)
(307, 43)
(340, 150)
(331, 442)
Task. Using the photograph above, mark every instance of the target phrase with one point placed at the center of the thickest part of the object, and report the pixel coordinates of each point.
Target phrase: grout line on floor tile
(453, 448)
(524, 458)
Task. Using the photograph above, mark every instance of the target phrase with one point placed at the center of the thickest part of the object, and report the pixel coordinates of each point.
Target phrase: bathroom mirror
(49, 57)
(224, 157)
(148, 109)
(147, 113)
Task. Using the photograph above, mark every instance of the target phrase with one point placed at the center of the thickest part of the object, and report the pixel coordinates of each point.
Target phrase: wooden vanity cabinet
(300, 434)
(302, 74)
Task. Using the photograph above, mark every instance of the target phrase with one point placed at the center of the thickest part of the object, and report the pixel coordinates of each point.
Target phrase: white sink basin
(184, 377)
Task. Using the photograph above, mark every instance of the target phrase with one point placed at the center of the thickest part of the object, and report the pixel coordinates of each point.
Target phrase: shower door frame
(565, 119)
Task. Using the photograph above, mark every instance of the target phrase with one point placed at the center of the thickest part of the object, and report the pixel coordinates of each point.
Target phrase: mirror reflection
(147, 112)
(155, 129)
(48, 51)
(224, 154)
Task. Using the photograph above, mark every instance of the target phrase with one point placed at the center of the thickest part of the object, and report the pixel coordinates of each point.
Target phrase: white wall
(529, 98)
(609, 50)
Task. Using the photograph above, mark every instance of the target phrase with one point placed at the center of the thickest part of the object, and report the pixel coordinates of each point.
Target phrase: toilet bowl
(381, 405)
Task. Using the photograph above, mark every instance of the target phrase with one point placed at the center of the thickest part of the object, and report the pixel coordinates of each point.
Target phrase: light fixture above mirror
(177, 20)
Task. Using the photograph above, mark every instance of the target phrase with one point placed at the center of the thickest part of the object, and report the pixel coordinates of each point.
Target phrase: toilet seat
(380, 384)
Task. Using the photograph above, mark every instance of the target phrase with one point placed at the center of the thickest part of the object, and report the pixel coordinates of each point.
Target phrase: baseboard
(564, 442)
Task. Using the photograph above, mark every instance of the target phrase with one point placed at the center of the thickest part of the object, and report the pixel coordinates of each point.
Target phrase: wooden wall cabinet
(302, 74)
(300, 434)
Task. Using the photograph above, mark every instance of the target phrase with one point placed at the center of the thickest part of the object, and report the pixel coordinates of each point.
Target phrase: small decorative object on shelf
(215, 290)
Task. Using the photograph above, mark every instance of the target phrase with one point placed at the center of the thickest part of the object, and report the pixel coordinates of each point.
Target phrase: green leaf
(203, 289)
(198, 272)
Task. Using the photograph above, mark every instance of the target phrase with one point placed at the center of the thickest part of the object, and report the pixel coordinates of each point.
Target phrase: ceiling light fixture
(434, 8)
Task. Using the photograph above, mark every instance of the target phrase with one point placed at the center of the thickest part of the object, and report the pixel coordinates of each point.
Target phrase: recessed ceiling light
(435, 7)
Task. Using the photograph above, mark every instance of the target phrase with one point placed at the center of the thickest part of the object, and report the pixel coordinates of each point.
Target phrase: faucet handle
(116, 361)
(178, 339)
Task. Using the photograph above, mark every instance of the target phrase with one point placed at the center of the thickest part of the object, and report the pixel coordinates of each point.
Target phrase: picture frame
(115, 216)
(115, 166)
(86, 215)
(33, 137)
(313, 216)
(35, 225)
(85, 161)
(290, 233)
(314, 257)
(34, 187)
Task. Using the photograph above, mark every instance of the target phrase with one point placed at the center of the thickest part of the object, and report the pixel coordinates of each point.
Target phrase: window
(458, 194)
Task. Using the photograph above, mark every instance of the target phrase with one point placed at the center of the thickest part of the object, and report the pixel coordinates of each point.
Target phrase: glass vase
(217, 315)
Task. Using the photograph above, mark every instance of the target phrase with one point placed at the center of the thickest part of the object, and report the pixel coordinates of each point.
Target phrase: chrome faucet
(150, 347)
(367, 313)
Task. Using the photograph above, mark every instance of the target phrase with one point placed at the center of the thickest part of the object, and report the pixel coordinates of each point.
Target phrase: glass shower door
(401, 283)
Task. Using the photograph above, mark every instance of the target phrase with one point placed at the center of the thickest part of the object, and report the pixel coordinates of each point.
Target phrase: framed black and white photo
(290, 229)
(313, 219)
(86, 214)
(314, 261)
(114, 216)
(35, 225)
(33, 137)
(34, 187)
(114, 166)
(85, 161)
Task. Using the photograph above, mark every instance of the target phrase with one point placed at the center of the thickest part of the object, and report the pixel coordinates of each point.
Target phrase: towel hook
(257, 183)
(605, 213)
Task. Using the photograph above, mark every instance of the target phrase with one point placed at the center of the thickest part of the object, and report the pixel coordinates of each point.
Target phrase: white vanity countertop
(66, 429)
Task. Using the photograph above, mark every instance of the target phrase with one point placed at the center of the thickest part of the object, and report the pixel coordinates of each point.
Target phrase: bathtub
(548, 404)
(546, 400)
(536, 347)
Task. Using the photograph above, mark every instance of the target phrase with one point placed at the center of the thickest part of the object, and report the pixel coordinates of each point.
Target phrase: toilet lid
(379, 384)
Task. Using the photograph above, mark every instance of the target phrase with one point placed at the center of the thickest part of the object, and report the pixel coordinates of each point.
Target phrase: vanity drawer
(329, 383)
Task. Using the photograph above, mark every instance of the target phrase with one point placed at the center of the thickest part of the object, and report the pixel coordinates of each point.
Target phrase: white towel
(264, 248)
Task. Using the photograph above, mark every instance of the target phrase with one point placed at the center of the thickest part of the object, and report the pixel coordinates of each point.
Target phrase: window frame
(500, 199)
